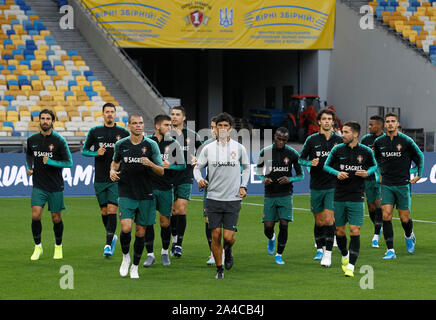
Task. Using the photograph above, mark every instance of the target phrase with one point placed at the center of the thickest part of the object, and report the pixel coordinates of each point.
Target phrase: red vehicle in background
(299, 116)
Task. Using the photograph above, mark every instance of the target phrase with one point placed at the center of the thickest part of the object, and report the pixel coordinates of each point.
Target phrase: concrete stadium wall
(372, 67)
(116, 63)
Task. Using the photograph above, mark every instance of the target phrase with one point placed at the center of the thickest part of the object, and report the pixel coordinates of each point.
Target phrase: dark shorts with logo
(223, 214)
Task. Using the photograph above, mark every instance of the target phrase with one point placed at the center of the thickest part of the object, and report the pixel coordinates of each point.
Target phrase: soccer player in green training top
(190, 141)
(47, 154)
(314, 153)
(99, 143)
(278, 160)
(394, 153)
(372, 187)
(351, 163)
(172, 157)
(134, 159)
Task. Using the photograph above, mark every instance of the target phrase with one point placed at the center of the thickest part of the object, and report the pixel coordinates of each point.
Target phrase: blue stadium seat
(72, 83)
(16, 134)
(92, 78)
(11, 67)
(68, 93)
(35, 113)
(8, 124)
(432, 49)
(87, 88)
(10, 108)
(417, 28)
(34, 77)
(9, 98)
(415, 4)
(88, 73)
(12, 83)
(8, 57)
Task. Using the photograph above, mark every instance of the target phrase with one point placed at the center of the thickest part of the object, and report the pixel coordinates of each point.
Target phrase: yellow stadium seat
(44, 33)
(80, 78)
(2, 116)
(58, 98)
(71, 98)
(82, 83)
(121, 124)
(80, 134)
(79, 63)
(50, 88)
(89, 103)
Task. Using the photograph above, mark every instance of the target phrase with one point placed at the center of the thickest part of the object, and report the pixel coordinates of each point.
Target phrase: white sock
(274, 237)
(376, 237)
(151, 254)
(174, 239)
(350, 266)
(164, 251)
(278, 255)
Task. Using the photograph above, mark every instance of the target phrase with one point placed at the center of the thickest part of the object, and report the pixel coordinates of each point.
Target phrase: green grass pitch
(253, 276)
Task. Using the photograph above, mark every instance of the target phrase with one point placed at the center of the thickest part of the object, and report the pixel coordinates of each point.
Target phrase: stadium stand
(35, 73)
(413, 20)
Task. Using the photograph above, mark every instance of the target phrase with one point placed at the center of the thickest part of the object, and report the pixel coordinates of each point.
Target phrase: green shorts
(55, 200)
(143, 212)
(321, 200)
(182, 191)
(107, 193)
(349, 211)
(164, 201)
(372, 191)
(277, 208)
(396, 195)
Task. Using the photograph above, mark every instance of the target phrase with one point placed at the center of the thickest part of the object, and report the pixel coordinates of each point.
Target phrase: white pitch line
(305, 209)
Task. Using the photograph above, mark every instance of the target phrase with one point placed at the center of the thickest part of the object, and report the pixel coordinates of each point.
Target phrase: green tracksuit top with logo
(347, 159)
(317, 146)
(171, 151)
(394, 158)
(368, 140)
(102, 136)
(48, 177)
(190, 142)
(279, 164)
(135, 178)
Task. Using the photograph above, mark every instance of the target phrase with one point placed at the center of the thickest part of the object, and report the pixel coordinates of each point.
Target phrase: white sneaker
(124, 269)
(134, 272)
(210, 261)
(326, 260)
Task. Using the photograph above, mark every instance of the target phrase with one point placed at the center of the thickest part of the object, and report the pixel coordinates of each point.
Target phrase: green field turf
(253, 276)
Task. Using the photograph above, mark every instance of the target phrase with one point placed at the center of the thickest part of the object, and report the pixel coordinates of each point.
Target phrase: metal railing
(125, 54)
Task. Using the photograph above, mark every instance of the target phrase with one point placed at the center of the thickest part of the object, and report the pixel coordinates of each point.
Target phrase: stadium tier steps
(412, 20)
(37, 72)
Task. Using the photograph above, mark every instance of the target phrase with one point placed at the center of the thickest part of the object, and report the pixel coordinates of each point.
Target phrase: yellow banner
(226, 24)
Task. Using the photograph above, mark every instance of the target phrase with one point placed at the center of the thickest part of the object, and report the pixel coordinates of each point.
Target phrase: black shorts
(223, 214)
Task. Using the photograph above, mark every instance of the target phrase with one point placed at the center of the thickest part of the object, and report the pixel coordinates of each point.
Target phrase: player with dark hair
(226, 187)
(99, 143)
(351, 163)
(210, 261)
(372, 187)
(275, 170)
(395, 152)
(47, 154)
(182, 180)
(172, 157)
(135, 158)
(314, 153)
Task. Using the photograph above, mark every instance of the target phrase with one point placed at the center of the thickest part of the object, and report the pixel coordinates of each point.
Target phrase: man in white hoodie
(226, 186)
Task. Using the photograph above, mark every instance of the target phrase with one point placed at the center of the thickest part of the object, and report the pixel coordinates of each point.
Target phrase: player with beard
(99, 143)
(47, 154)
(394, 153)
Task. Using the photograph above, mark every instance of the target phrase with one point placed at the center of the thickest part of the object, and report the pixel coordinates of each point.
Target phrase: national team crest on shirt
(144, 150)
(51, 147)
(100, 144)
(286, 160)
(318, 153)
(359, 158)
(167, 148)
(118, 137)
(233, 154)
(399, 146)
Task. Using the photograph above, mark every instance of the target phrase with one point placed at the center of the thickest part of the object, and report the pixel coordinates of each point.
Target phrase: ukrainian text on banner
(229, 24)
(79, 180)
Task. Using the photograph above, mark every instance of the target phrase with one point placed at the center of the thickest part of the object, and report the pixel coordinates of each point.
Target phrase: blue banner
(79, 179)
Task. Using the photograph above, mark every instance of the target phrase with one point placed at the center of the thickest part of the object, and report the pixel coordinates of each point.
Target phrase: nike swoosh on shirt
(34, 146)
(318, 146)
(125, 150)
(100, 137)
(342, 158)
